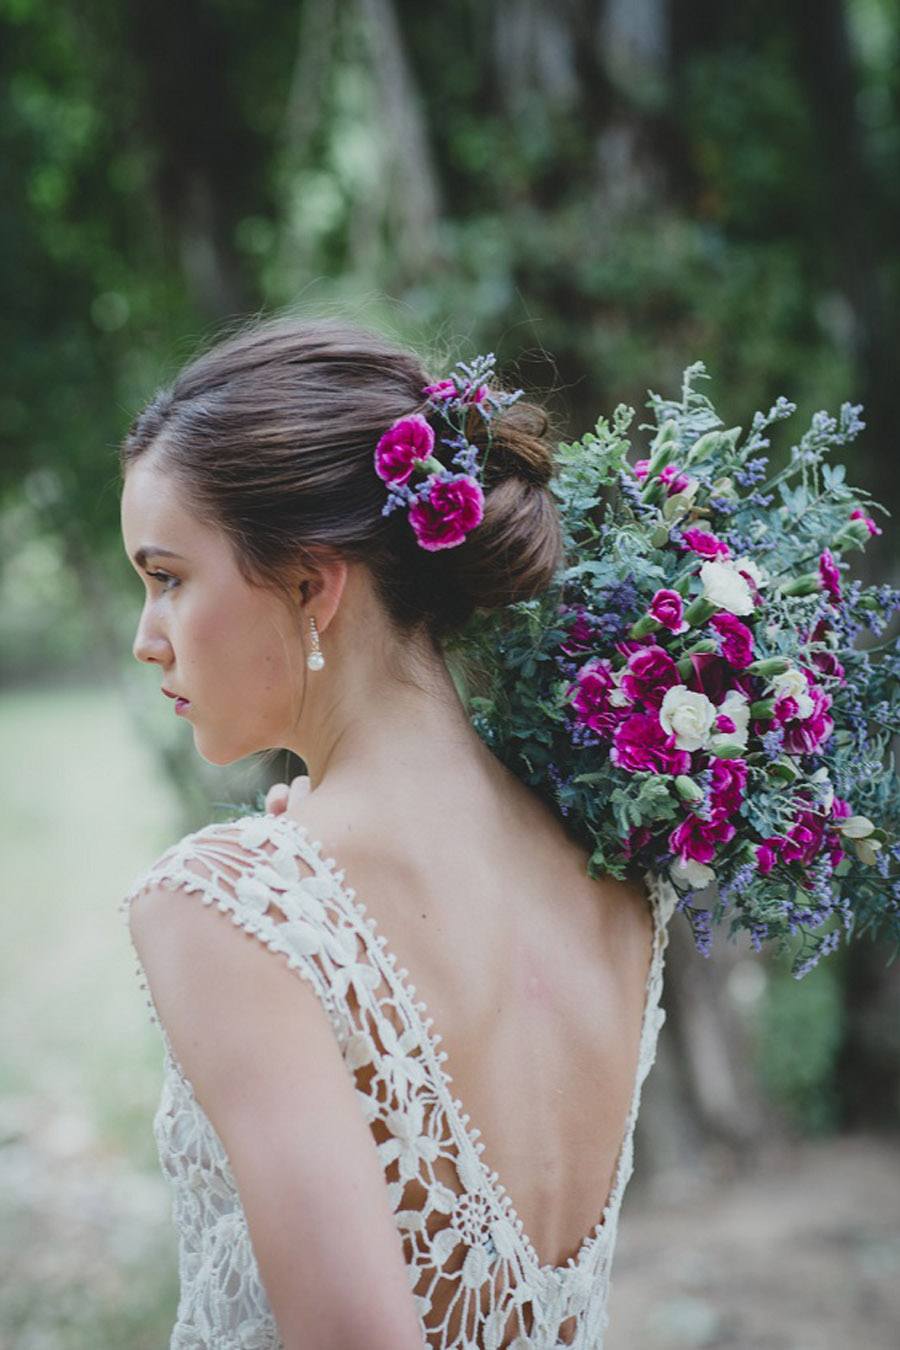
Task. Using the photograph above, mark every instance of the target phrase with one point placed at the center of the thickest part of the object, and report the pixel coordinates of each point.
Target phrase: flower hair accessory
(444, 506)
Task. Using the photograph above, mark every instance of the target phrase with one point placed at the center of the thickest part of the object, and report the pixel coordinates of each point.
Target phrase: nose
(150, 645)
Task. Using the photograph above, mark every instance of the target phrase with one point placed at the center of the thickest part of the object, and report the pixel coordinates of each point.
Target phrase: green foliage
(798, 1037)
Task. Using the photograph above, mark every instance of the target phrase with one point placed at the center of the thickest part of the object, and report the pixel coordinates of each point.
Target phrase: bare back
(535, 976)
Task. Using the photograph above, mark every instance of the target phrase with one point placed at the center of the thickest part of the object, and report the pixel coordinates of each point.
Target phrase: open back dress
(474, 1275)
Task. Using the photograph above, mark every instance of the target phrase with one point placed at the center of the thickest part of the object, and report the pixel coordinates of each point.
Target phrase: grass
(87, 1247)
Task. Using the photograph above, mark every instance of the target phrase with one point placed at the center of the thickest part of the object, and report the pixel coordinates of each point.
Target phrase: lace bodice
(475, 1276)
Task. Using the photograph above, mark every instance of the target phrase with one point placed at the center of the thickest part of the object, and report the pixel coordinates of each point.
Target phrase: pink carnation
(804, 735)
(581, 632)
(407, 439)
(737, 639)
(649, 673)
(767, 854)
(695, 839)
(640, 468)
(593, 686)
(443, 389)
(667, 607)
(447, 512)
(830, 574)
(729, 779)
(859, 514)
(641, 743)
(676, 481)
(705, 543)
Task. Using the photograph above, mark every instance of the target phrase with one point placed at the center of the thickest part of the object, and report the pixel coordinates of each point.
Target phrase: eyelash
(167, 577)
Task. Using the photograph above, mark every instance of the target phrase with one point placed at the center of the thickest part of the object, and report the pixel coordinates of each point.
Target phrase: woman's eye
(164, 576)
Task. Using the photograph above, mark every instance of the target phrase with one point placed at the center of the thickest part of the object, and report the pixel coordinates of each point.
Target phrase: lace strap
(226, 865)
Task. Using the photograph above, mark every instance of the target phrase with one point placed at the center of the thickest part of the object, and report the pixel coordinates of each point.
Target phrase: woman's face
(230, 648)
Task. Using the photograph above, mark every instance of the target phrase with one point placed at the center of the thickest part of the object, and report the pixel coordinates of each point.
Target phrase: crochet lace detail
(477, 1281)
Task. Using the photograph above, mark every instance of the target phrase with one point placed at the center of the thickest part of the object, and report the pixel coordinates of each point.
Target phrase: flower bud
(646, 624)
(699, 610)
(687, 789)
(727, 750)
(769, 665)
(763, 709)
(855, 534)
(807, 584)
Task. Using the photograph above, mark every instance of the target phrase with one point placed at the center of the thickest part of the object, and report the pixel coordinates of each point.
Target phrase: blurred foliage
(599, 193)
(800, 1032)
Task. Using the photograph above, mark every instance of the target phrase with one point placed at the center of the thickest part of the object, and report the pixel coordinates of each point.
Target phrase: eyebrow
(151, 550)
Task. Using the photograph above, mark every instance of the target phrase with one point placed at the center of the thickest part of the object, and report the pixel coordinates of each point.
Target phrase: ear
(321, 590)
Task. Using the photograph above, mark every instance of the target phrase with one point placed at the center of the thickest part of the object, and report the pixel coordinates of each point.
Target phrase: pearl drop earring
(315, 660)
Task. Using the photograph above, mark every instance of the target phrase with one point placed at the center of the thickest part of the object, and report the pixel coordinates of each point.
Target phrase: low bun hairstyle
(271, 436)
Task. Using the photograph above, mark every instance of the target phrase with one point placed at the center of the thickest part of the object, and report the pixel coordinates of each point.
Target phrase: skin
(239, 654)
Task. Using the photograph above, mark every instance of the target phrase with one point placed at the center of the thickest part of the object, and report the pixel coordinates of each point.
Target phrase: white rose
(724, 587)
(687, 716)
(735, 705)
(687, 872)
(793, 684)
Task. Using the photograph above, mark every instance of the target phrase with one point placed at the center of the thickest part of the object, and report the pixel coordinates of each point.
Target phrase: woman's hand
(280, 796)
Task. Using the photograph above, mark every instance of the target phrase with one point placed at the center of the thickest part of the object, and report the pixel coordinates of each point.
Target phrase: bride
(425, 1138)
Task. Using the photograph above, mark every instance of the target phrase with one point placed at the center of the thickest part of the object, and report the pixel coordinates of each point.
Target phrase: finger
(277, 798)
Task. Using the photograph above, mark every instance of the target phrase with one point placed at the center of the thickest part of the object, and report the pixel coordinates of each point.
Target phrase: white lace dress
(475, 1276)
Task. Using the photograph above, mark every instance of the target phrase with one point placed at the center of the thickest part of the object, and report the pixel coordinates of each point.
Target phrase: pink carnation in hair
(444, 515)
(440, 390)
(407, 439)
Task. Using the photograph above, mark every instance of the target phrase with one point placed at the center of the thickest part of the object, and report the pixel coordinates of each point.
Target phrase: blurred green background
(600, 193)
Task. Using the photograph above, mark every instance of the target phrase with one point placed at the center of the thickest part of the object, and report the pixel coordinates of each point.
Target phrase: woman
(331, 1187)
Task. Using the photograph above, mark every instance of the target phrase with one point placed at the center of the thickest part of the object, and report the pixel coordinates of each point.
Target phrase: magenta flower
(443, 389)
(859, 514)
(581, 633)
(826, 662)
(636, 839)
(447, 512)
(804, 735)
(737, 639)
(729, 779)
(407, 439)
(830, 574)
(640, 742)
(594, 684)
(695, 839)
(667, 607)
(767, 854)
(705, 543)
(640, 469)
(675, 480)
(649, 673)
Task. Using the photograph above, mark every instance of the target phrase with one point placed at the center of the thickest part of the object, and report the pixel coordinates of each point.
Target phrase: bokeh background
(601, 193)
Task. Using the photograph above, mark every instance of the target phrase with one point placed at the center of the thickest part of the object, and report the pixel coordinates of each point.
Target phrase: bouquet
(690, 694)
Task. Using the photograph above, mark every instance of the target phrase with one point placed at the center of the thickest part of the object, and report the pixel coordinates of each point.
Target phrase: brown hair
(271, 435)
